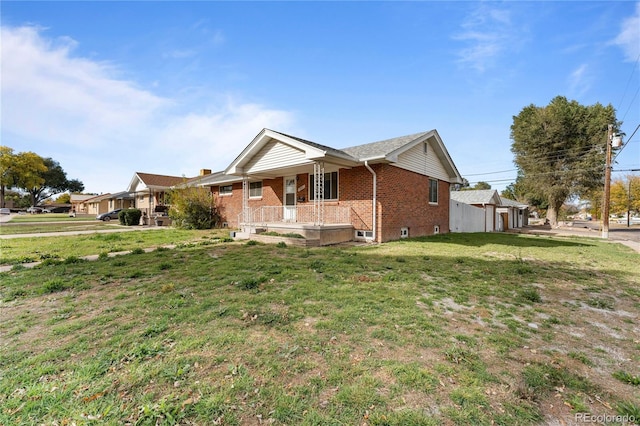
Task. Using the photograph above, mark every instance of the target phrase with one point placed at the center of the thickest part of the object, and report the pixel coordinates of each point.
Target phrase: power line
(633, 70)
(630, 104)
(542, 174)
(492, 173)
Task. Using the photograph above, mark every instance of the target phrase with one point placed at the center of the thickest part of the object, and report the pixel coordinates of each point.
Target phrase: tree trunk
(552, 212)
(552, 216)
(2, 202)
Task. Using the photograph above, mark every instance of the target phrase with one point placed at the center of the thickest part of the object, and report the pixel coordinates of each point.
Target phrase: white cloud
(629, 37)
(218, 136)
(580, 81)
(488, 33)
(50, 95)
(102, 128)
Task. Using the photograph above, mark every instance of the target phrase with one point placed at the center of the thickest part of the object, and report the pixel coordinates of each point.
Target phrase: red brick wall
(402, 200)
(230, 206)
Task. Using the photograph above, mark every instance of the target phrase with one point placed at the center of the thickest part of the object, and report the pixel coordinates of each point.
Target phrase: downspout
(375, 193)
(484, 206)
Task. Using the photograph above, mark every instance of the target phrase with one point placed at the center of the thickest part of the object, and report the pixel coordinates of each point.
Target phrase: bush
(130, 217)
(193, 208)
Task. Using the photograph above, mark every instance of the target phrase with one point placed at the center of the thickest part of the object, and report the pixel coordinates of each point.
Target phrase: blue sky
(111, 88)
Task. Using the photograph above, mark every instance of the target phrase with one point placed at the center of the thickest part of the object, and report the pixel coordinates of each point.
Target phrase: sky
(109, 89)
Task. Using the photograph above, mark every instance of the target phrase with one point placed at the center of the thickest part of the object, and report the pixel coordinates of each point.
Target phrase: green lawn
(50, 217)
(464, 329)
(33, 249)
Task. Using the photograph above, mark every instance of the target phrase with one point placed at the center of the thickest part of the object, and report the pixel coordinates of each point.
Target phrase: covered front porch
(319, 225)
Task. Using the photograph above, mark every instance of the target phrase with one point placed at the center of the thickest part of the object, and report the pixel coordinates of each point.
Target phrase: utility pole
(629, 201)
(607, 186)
(629, 205)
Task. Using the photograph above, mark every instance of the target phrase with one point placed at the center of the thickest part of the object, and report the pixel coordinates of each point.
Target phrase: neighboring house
(485, 211)
(107, 202)
(150, 190)
(120, 200)
(484, 219)
(98, 204)
(514, 214)
(78, 202)
(380, 191)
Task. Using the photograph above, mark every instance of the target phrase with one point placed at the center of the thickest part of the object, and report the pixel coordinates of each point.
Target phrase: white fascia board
(445, 158)
(222, 181)
(135, 181)
(374, 160)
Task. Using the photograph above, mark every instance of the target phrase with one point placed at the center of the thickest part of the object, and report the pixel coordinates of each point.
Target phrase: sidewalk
(98, 231)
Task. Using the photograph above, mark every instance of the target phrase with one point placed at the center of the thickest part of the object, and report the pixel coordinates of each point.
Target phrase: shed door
(290, 199)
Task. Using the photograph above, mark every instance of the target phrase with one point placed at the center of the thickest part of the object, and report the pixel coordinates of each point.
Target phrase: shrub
(130, 217)
(193, 208)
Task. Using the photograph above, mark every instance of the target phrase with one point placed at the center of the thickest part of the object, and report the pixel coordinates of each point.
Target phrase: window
(433, 191)
(255, 189)
(330, 186)
(226, 189)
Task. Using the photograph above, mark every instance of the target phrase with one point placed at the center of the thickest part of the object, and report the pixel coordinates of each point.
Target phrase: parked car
(34, 210)
(5, 211)
(109, 215)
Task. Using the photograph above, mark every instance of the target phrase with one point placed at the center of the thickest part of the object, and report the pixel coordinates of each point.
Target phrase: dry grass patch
(418, 332)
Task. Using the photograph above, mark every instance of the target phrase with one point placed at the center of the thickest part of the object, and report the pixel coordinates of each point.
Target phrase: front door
(290, 199)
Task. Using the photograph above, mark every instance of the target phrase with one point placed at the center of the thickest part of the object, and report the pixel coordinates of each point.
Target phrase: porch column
(318, 192)
(245, 199)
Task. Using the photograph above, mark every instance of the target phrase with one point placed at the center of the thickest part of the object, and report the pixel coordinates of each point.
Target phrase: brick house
(379, 191)
(149, 190)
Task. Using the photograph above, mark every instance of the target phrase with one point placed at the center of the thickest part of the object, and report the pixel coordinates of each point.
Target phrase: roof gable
(152, 181)
(271, 150)
(391, 149)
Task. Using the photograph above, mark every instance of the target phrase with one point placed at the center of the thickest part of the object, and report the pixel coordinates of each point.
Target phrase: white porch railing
(295, 214)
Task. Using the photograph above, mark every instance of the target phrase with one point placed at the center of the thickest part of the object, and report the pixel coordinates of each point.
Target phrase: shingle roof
(478, 196)
(381, 148)
(159, 180)
(512, 203)
(99, 198)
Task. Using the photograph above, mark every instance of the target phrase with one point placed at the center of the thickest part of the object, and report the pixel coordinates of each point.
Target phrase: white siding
(415, 160)
(465, 217)
(275, 155)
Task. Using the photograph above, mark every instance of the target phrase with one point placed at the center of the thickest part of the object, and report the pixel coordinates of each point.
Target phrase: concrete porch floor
(315, 235)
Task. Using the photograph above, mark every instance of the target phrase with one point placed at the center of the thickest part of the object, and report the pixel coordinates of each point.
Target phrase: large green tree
(560, 149)
(19, 170)
(54, 181)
